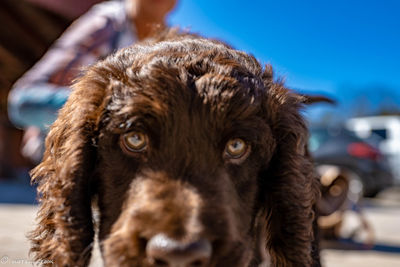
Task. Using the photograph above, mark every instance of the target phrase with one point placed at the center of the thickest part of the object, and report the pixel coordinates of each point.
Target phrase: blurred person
(36, 97)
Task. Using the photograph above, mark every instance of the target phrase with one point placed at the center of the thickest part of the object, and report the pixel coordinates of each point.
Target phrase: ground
(383, 214)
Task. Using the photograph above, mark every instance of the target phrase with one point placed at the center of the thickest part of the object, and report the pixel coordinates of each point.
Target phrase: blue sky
(340, 48)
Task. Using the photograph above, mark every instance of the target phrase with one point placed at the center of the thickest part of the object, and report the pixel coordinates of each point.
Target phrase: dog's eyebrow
(252, 128)
(125, 123)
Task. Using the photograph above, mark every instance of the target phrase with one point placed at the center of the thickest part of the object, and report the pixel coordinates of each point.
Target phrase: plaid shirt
(37, 96)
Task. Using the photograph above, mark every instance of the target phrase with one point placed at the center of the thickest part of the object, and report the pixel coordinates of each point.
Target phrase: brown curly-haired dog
(194, 155)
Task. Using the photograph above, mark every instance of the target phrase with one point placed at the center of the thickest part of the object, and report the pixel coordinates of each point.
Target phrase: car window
(317, 138)
(381, 132)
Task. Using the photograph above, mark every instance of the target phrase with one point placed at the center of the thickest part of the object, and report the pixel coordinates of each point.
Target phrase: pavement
(15, 222)
(383, 215)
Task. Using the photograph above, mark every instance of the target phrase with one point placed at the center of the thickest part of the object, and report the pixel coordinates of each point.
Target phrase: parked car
(386, 127)
(366, 166)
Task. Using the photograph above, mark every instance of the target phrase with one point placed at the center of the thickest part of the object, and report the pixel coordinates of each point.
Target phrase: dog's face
(179, 156)
(198, 155)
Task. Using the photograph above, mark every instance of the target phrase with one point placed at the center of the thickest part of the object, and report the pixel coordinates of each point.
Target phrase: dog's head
(195, 155)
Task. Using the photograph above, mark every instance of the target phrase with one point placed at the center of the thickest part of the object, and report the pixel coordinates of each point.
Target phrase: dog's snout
(163, 251)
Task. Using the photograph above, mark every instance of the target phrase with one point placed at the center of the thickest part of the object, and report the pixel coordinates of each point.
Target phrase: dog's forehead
(179, 74)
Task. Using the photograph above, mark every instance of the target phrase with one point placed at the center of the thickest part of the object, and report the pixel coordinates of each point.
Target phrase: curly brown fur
(189, 96)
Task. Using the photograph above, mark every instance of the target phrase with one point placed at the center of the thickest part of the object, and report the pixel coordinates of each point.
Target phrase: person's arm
(36, 105)
(37, 96)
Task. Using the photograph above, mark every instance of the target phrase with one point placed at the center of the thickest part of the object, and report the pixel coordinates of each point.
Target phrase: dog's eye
(135, 141)
(236, 148)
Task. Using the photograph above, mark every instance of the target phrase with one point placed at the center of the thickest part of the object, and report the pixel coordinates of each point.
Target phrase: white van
(388, 129)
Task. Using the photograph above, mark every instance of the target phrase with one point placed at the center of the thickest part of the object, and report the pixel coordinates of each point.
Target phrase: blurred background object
(365, 165)
(70, 9)
(28, 29)
(340, 194)
(384, 132)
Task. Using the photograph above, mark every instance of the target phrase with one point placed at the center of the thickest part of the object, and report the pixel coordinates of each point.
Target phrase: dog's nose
(163, 251)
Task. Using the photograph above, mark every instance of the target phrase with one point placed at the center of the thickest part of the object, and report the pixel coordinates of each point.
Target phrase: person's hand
(32, 144)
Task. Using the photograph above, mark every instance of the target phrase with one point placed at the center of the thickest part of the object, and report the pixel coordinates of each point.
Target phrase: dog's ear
(64, 233)
(289, 187)
(313, 99)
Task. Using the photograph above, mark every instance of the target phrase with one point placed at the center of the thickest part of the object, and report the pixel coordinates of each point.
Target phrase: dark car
(367, 167)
